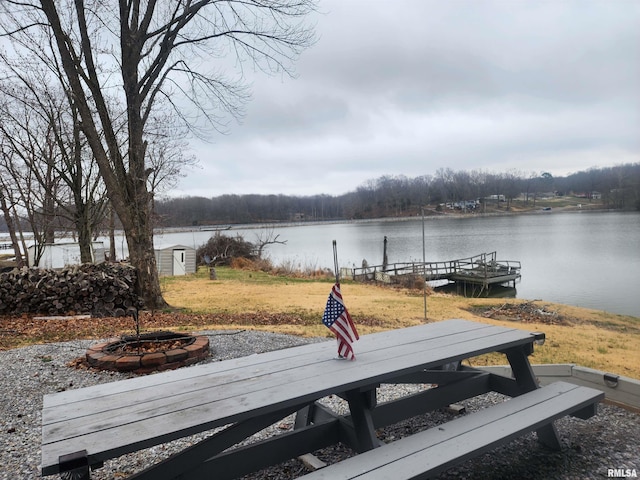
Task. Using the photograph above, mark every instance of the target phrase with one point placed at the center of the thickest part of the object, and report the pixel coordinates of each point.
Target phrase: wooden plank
(296, 356)
(311, 461)
(433, 451)
(291, 382)
(128, 392)
(111, 424)
(228, 380)
(175, 466)
(362, 421)
(230, 372)
(428, 400)
(526, 381)
(625, 392)
(236, 462)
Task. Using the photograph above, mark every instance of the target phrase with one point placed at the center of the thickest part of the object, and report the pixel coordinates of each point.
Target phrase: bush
(221, 250)
(256, 265)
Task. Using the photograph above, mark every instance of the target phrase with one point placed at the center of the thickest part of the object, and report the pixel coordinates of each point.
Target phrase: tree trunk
(49, 206)
(141, 251)
(112, 234)
(83, 206)
(84, 233)
(12, 231)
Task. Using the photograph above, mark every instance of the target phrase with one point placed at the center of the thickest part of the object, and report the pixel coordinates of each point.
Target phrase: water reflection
(495, 291)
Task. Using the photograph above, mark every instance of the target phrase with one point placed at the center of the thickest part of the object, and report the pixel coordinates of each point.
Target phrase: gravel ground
(610, 440)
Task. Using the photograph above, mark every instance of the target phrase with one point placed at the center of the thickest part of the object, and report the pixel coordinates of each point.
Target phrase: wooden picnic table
(83, 428)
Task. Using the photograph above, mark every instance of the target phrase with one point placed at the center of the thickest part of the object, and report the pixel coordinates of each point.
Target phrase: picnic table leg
(304, 416)
(77, 474)
(184, 463)
(526, 380)
(360, 405)
(75, 466)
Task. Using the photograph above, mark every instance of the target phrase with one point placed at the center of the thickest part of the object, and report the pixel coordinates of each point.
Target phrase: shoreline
(4, 238)
(434, 216)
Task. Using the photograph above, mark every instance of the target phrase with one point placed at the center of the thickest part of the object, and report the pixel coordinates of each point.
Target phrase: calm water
(585, 259)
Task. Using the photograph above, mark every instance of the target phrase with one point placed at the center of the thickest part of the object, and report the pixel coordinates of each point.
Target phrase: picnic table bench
(83, 428)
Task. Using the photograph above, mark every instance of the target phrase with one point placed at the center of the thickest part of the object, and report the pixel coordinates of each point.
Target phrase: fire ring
(149, 352)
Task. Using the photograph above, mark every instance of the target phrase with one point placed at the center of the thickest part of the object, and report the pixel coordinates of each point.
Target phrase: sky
(401, 87)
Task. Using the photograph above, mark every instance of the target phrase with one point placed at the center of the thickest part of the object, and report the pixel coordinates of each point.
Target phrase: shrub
(222, 249)
(255, 265)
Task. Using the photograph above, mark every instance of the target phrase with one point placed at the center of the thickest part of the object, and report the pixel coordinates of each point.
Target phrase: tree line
(615, 187)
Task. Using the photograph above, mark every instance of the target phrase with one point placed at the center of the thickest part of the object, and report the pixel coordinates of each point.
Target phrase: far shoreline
(223, 227)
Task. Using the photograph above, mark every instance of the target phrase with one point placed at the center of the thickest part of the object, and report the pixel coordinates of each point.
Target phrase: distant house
(176, 260)
(61, 255)
(596, 196)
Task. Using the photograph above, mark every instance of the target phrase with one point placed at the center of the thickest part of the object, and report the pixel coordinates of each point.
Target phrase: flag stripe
(337, 319)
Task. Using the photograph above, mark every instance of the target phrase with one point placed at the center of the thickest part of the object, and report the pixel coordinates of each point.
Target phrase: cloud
(407, 87)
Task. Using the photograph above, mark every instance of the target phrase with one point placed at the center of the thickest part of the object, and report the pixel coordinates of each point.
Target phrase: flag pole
(424, 267)
(335, 261)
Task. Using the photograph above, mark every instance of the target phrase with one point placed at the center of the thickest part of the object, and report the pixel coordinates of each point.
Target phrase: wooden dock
(483, 271)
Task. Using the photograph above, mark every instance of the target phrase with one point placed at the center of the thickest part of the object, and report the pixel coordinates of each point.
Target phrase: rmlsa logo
(622, 473)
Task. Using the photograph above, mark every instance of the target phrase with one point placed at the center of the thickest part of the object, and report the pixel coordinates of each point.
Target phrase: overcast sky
(407, 87)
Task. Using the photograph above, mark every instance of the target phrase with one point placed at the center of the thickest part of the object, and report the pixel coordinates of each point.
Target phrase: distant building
(495, 198)
(61, 255)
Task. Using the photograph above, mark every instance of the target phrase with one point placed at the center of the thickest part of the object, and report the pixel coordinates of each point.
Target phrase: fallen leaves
(21, 330)
(525, 312)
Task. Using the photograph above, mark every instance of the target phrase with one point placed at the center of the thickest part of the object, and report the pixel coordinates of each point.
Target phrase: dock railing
(483, 268)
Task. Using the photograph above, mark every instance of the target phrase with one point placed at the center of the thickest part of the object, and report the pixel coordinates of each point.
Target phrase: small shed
(176, 260)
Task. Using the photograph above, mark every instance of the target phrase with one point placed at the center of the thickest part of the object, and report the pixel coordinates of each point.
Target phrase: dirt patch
(525, 312)
(536, 312)
(133, 345)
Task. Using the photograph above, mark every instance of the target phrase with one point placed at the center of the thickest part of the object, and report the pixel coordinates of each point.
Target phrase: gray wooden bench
(433, 451)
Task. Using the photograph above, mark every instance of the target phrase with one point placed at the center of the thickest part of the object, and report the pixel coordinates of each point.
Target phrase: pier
(478, 273)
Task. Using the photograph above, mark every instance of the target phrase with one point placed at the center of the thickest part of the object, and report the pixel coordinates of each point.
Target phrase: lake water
(586, 259)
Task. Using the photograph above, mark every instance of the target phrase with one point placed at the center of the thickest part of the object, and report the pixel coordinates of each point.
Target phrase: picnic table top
(109, 420)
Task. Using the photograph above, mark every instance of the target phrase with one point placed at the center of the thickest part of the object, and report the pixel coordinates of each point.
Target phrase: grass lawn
(585, 337)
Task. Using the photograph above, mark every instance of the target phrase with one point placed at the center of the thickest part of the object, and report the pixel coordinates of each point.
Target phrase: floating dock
(478, 273)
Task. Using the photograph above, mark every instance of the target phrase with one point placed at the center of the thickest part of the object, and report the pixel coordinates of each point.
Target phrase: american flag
(337, 319)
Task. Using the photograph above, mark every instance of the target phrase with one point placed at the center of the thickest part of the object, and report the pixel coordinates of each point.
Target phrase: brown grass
(589, 338)
(250, 299)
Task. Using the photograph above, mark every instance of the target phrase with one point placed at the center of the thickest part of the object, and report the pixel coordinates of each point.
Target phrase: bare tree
(7, 206)
(167, 155)
(267, 237)
(31, 193)
(511, 186)
(42, 126)
(156, 49)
